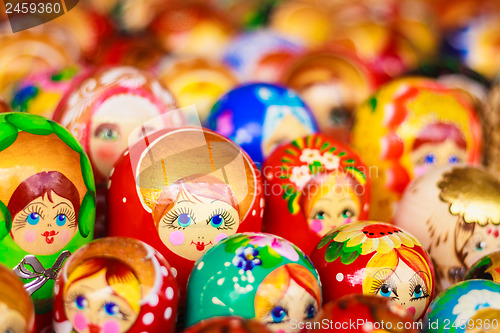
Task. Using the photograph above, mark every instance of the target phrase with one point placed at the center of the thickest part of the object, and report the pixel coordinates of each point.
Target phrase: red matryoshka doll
(359, 313)
(182, 191)
(409, 126)
(198, 81)
(16, 308)
(30, 52)
(313, 185)
(455, 212)
(228, 325)
(47, 202)
(105, 107)
(375, 258)
(115, 285)
(193, 28)
(332, 83)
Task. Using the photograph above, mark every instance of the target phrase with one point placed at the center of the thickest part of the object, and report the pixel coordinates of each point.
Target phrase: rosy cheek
(81, 322)
(420, 170)
(316, 225)
(64, 236)
(107, 152)
(110, 326)
(176, 237)
(348, 220)
(280, 331)
(220, 237)
(29, 236)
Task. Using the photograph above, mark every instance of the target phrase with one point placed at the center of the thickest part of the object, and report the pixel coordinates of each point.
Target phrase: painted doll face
(339, 205)
(93, 306)
(404, 286)
(11, 321)
(296, 304)
(46, 225)
(195, 223)
(483, 241)
(436, 154)
(110, 130)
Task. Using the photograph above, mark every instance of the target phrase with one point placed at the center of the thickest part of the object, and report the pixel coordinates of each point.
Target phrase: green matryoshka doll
(47, 201)
(254, 276)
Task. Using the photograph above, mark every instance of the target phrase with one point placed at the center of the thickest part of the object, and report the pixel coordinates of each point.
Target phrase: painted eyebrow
(62, 203)
(186, 201)
(36, 203)
(385, 269)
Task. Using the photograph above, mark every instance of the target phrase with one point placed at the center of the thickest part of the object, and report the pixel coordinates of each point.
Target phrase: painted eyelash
(380, 278)
(413, 284)
(173, 215)
(124, 315)
(377, 285)
(21, 221)
(228, 219)
(70, 214)
(72, 296)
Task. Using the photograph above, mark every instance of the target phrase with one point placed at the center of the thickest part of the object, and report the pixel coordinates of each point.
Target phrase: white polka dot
(174, 271)
(111, 173)
(261, 202)
(56, 289)
(148, 318)
(254, 212)
(57, 315)
(164, 270)
(109, 184)
(124, 200)
(154, 300)
(125, 153)
(261, 213)
(170, 293)
(227, 264)
(200, 265)
(340, 277)
(168, 313)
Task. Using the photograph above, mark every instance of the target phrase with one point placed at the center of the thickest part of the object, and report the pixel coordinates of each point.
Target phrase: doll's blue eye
(33, 218)
(81, 302)
(418, 292)
(310, 311)
(385, 291)
(453, 159)
(278, 314)
(184, 220)
(61, 219)
(216, 221)
(320, 216)
(111, 309)
(429, 159)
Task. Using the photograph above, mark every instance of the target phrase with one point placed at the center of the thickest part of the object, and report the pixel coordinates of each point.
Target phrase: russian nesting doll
(485, 268)
(254, 276)
(375, 258)
(115, 284)
(455, 212)
(182, 191)
(17, 314)
(408, 126)
(259, 117)
(47, 201)
(313, 185)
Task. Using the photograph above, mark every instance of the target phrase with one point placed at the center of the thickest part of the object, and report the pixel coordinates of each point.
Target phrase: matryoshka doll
(182, 191)
(198, 81)
(47, 202)
(231, 324)
(375, 258)
(332, 83)
(409, 126)
(107, 106)
(255, 276)
(116, 284)
(259, 117)
(16, 308)
(313, 185)
(358, 313)
(467, 307)
(455, 212)
(485, 268)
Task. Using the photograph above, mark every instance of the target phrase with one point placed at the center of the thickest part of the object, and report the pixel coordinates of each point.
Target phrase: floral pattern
(246, 258)
(309, 156)
(330, 161)
(470, 303)
(281, 246)
(300, 176)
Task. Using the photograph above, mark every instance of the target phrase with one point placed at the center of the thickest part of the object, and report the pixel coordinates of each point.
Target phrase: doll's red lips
(94, 328)
(200, 246)
(49, 236)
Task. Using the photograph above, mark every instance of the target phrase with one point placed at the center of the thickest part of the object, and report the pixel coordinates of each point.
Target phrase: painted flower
(330, 161)
(281, 246)
(246, 258)
(470, 303)
(300, 176)
(309, 156)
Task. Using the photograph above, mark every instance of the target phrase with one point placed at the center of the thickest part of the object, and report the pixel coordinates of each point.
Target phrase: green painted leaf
(30, 123)
(353, 248)
(234, 243)
(270, 258)
(373, 103)
(86, 216)
(327, 238)
(88, 176)
(8, 135)
(5, 221)
(333, 251)
(348, 258)
(67, 137)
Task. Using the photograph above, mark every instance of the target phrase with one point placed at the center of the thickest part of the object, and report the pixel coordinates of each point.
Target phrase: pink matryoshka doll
(407, 127)
(185, 189)
(105, 107)
(17, 314)
(375, 258)
(313, 185)
(115, 285)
